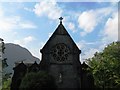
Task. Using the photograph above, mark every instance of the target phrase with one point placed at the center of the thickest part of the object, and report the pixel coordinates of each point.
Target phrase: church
(61, 59)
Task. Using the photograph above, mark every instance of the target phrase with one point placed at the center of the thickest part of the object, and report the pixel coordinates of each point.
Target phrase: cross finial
(60, 20)
(21, 61)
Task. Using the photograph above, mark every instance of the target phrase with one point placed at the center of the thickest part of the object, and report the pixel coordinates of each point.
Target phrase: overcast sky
(92, 25)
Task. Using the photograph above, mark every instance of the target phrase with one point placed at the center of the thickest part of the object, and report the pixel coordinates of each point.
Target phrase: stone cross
(61, 19)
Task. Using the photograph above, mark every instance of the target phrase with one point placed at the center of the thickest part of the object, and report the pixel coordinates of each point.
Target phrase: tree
(38, 80)
(106, 66)
(5, 76)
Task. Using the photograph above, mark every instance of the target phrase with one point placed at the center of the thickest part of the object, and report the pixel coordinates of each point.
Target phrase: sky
(92, 25)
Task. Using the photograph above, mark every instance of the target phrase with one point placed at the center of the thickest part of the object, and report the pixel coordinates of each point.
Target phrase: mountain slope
(15, 53)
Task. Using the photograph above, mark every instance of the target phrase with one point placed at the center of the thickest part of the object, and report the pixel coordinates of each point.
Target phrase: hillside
(16, 53)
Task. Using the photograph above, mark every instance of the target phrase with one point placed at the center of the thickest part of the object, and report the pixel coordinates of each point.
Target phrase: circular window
(60, 52)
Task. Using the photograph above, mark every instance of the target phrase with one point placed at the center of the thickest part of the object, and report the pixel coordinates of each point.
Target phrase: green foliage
(106, 66)
(38, 80)
(6, 85)
(4, 63)
(2, 46)
(5, 76)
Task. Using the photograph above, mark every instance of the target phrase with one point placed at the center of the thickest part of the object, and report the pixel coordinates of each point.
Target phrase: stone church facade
(60, 58)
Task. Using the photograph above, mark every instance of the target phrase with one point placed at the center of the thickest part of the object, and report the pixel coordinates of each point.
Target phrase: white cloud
(100, 1)
(71, 26)
(49, 9)
(28, 42)
(15, 22)
(102, 46)
(84, 44)
(27, 25)
(1, 12)
(88, 20)
(110, 32)
(83, 33)
(35, 52)
(28, 9)
(28, 39)
(87, 50)
(10, 23)
(89, 53)
(81, 44)
(24, 41)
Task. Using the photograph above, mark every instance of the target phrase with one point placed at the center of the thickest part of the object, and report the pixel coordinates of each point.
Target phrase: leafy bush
(106, 66)
(38, 80)
(6, 84)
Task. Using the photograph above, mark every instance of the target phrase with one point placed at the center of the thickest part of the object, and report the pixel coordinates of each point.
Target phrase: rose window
(60, 52)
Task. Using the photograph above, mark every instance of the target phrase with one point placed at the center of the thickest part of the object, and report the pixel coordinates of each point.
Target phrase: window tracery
(60, 52)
